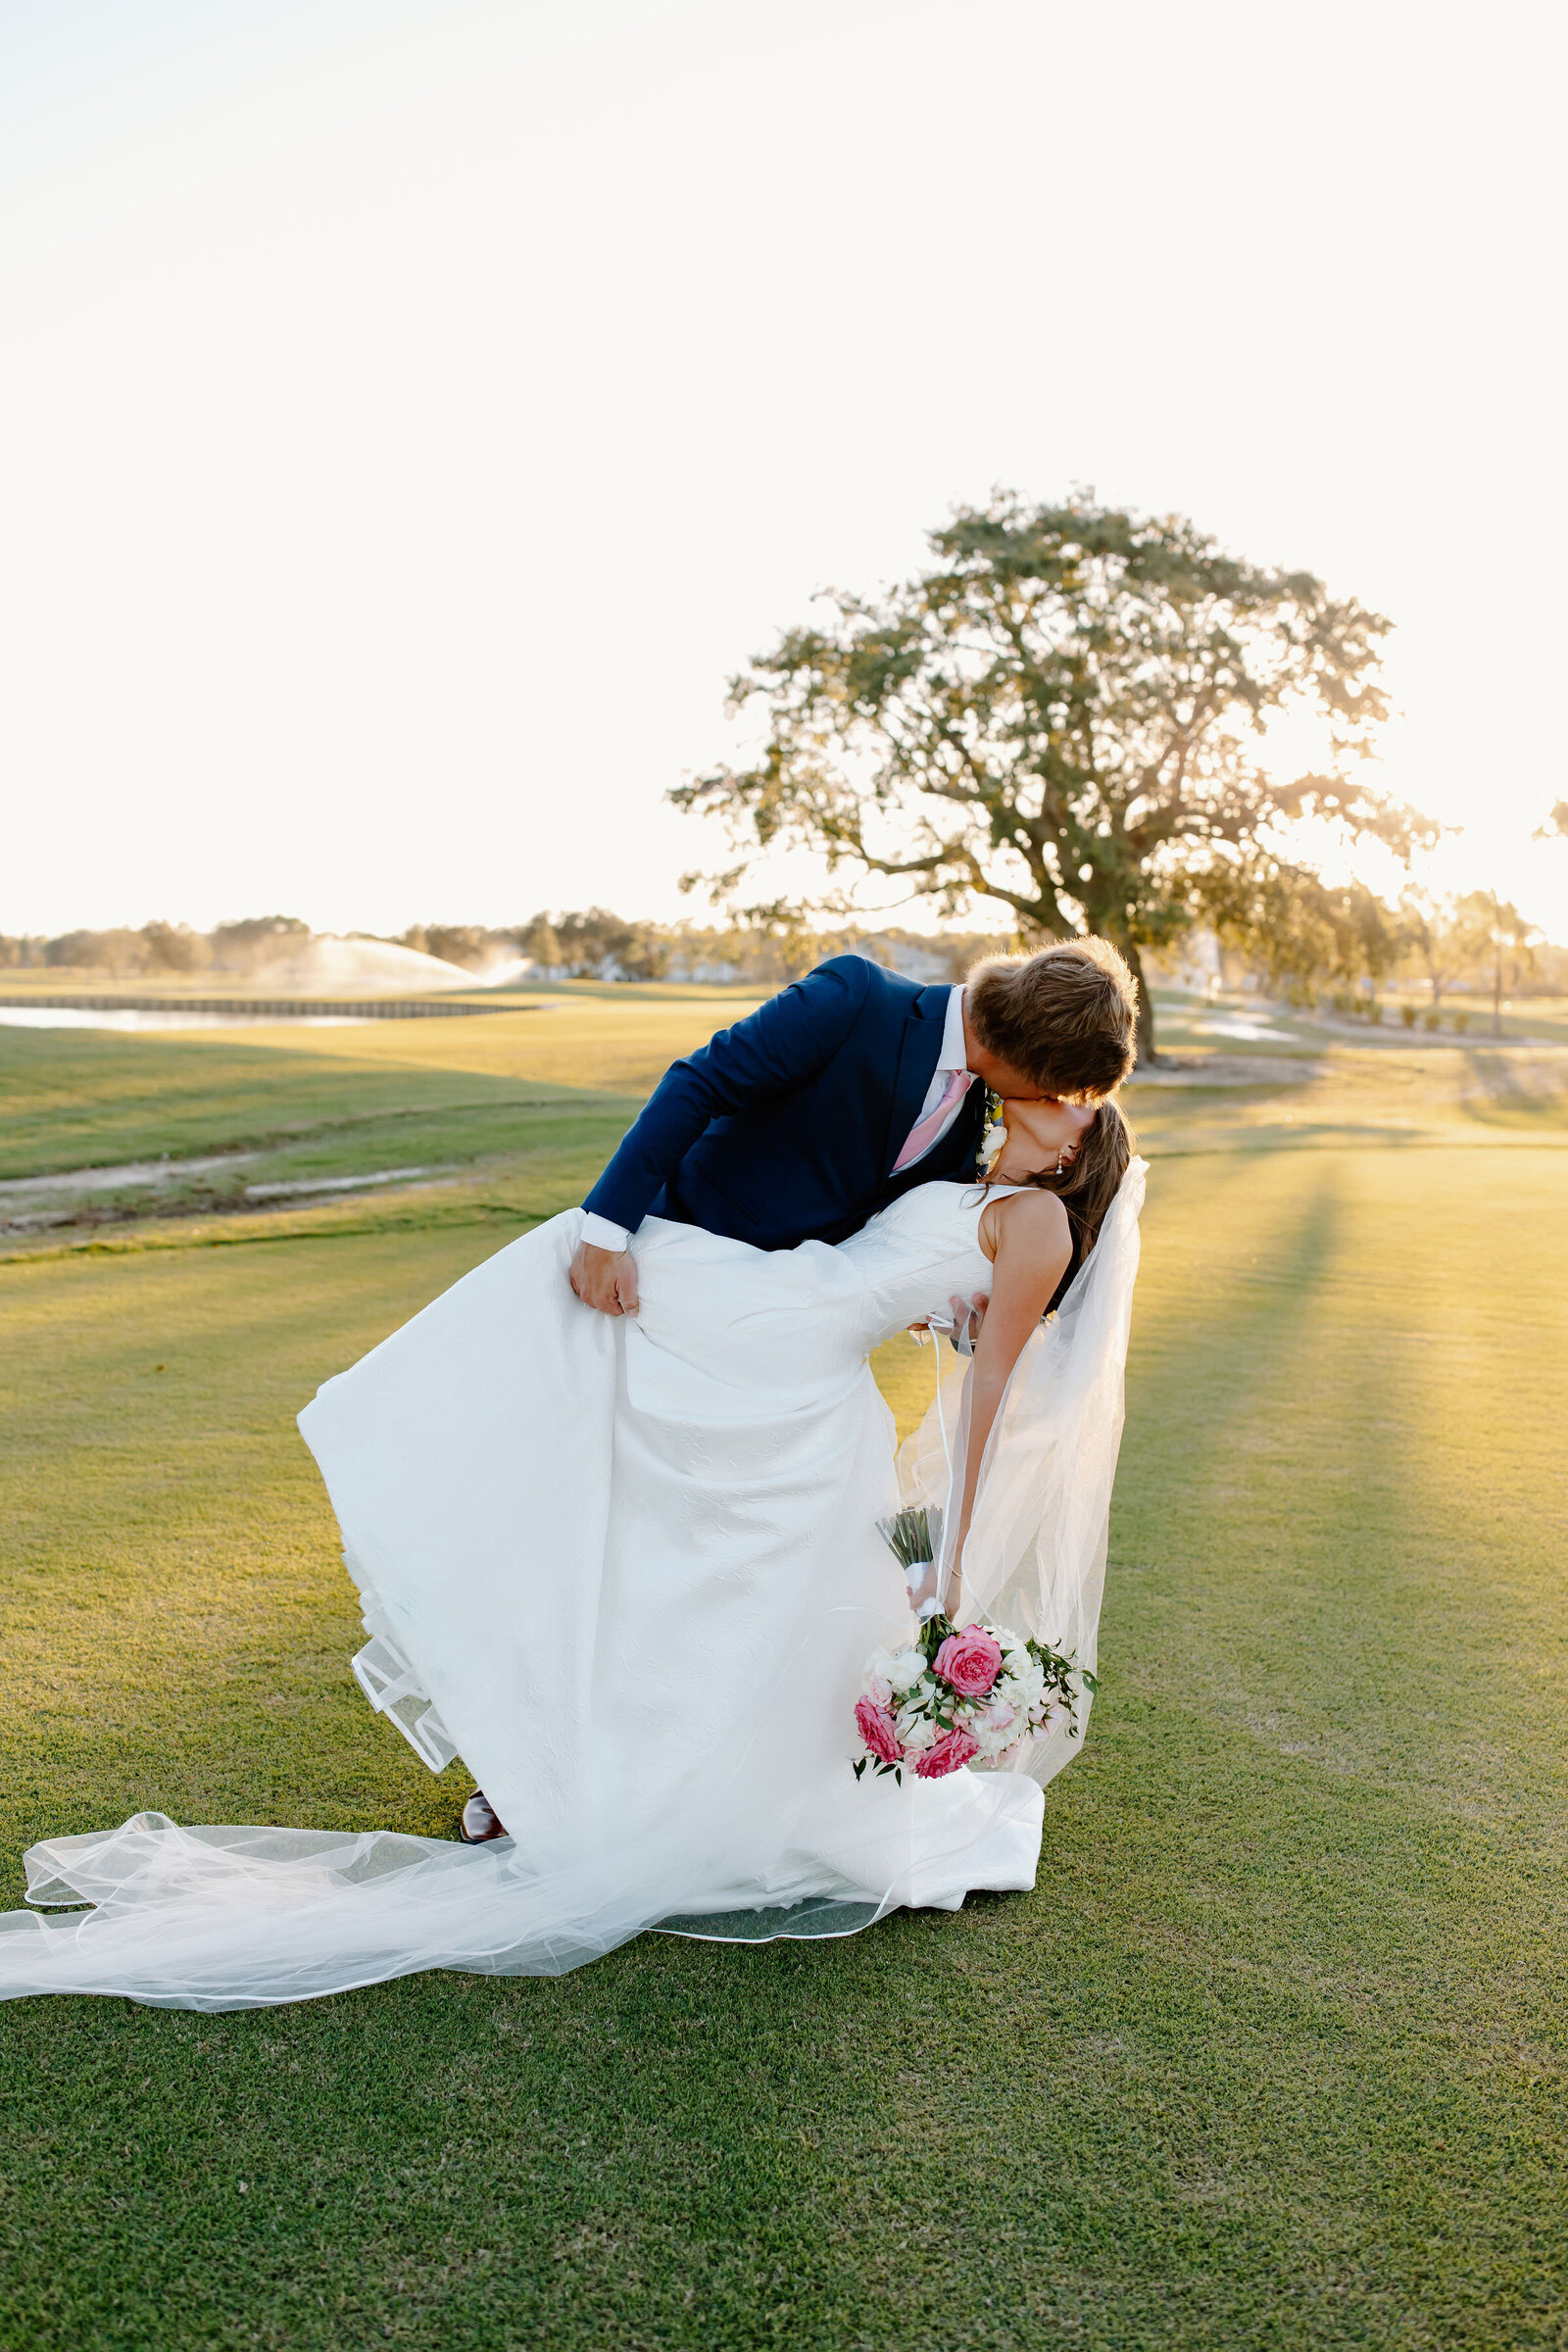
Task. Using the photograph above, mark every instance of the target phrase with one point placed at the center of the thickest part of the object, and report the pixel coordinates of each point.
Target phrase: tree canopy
(1065, 713)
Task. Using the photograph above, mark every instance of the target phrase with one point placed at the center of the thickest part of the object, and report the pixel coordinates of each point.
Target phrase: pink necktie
(923, 1134)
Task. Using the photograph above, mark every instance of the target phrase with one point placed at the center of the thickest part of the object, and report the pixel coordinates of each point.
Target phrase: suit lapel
(918, 1048)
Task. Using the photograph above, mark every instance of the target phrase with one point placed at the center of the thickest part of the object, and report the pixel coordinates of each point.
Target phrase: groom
(838, 1095)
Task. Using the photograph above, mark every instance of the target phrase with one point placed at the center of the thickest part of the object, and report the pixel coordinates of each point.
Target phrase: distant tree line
(1296, 936)
(159, 948)
(595, 942)
(1302, 937)
(599, 944)
(590, 943)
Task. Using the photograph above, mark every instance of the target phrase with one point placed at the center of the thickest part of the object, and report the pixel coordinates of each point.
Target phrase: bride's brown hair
(1087, 1188)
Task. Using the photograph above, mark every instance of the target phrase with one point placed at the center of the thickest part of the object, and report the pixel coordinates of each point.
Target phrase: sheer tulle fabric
(630, 1574)
(1035, 1559)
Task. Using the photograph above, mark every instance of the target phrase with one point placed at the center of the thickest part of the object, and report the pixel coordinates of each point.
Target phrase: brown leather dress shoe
(479, 1822)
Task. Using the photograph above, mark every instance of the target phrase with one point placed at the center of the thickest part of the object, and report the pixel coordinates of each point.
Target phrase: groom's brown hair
(1067, 1017)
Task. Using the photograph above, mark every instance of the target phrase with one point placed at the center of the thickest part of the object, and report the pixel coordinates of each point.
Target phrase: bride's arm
(1030, 1243)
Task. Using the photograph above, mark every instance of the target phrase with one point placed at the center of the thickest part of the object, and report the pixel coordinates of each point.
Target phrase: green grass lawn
(89, 1099)
(1273, 2057)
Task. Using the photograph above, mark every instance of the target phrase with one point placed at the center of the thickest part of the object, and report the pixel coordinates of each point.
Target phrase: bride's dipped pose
(627, 1566)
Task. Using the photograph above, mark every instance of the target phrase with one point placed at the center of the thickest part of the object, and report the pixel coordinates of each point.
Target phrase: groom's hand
(605, 1278)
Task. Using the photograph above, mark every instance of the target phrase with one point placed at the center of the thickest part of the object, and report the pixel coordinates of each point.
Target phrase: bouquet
(952, 1696)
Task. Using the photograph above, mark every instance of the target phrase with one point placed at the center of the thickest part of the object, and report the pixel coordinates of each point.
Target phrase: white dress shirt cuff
(603, 1233)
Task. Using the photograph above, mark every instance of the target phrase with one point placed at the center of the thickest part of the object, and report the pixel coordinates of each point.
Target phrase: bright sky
(413, 413)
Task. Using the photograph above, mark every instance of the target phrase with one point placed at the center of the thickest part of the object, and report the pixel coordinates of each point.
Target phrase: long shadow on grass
(1300, 1798)
(1503, 1093)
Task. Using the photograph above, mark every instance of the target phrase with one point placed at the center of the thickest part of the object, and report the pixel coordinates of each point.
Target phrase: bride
(629, 1570)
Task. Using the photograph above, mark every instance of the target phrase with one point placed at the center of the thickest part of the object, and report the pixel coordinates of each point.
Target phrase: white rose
(905, 1669)
(916, 1732)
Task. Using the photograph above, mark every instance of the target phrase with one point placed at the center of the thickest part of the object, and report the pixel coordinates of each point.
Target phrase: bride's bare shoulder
(1034, 1222)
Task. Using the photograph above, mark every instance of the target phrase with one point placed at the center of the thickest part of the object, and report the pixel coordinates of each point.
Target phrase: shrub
(1432, 1019)
(1462, 1022)
(1407, 1015)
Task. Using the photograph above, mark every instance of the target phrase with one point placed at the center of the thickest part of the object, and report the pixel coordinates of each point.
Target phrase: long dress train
(629, 1571)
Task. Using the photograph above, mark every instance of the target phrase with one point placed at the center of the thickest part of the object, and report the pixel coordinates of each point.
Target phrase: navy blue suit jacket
(785, 1127)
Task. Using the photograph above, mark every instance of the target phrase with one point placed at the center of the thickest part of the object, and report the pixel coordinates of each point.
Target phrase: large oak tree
(1065, 713)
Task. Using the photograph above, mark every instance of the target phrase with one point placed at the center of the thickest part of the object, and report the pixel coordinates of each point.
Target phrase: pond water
(75, 1017)
(1235, 1024)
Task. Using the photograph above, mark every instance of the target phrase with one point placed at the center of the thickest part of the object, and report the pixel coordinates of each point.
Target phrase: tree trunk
(1147, 1051)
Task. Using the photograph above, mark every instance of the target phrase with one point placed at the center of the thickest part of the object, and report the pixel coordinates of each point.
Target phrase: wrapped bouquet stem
(914, 1538)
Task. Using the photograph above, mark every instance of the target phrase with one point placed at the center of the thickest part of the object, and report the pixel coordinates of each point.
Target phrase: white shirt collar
(954, 1054)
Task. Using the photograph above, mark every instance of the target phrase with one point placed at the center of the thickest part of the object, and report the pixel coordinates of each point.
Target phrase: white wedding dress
(629, 1570)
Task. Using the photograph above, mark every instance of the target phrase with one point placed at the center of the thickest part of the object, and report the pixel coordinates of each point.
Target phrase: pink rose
(954, 1749)
(876, 1727)
(879, 1690)
(969, 1662)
